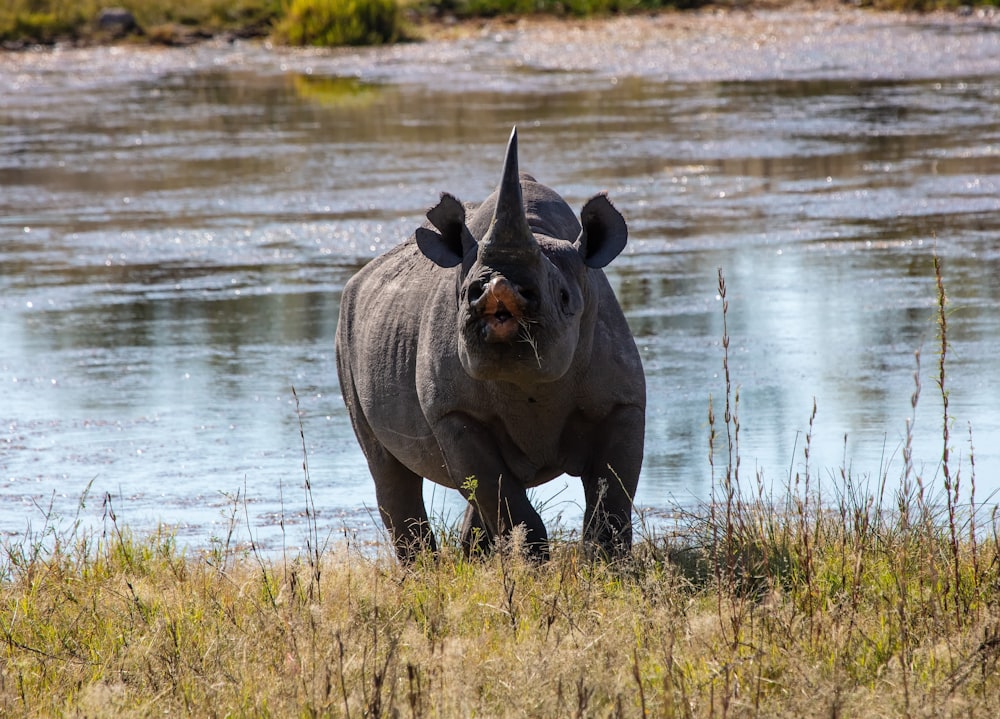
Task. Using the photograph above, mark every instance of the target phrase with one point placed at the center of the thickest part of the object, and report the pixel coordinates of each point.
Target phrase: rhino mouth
(500, 326)
(499, 311)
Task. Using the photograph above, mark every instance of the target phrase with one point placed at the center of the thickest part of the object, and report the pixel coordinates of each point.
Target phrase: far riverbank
(62, 23)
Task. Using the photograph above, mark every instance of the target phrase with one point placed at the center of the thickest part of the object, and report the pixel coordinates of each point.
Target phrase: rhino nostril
(474, 292)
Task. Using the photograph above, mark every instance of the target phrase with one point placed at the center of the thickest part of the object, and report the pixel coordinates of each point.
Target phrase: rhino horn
(509, 237)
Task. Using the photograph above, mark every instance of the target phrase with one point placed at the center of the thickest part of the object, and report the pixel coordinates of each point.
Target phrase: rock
(117, 21)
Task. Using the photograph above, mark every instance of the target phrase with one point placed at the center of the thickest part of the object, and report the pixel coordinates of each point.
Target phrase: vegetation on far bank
(315, 22)
(839, 597)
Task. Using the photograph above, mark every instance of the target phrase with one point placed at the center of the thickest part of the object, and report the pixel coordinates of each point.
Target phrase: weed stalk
(951, 484)
(313, 550)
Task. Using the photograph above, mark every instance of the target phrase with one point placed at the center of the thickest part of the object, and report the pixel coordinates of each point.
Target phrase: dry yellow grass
(868, 604)
(864, 625)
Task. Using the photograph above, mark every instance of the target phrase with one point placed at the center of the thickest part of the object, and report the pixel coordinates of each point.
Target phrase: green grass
(47, 21)
(332, 22)
(837, 598)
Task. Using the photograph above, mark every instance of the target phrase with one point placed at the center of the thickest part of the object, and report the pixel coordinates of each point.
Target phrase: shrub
(341, 22)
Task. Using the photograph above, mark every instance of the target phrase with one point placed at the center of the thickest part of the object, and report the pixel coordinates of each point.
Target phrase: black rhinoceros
(488, 353)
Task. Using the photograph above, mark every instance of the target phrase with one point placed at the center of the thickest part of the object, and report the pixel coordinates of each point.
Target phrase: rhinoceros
(488, 353)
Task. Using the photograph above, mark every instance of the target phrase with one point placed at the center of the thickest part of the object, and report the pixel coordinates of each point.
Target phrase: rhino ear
(448, 245)
(604, 232)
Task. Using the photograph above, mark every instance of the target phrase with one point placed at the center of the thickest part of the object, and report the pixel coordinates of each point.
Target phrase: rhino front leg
(610, 481)
(496, 507)
(476, 537)
(498, 502)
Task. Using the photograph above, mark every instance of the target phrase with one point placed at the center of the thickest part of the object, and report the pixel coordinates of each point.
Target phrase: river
(176, 226)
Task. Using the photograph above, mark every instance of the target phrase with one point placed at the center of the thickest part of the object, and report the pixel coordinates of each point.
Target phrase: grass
(319, 22)
(48, 21)
(342, 22)
(841, 598)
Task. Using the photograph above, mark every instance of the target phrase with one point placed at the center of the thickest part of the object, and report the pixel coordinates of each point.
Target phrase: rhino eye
(565, 302)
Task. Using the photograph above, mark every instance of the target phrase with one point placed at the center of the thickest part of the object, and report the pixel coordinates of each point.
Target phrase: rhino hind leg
(398, 490)
(607, 526)
(610, 482)
(399, 493)
(401, 503)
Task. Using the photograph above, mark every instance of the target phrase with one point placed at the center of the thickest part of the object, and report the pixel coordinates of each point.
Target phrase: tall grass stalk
(951, 483)
(314, 551)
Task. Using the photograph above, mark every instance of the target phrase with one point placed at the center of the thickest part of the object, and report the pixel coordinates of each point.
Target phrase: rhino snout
(499, 306)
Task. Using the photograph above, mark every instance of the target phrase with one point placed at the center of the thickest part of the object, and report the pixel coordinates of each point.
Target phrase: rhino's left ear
(604, 232)
(448, 245)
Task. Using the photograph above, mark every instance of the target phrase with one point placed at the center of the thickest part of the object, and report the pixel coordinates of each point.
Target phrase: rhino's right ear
(448, 245)
(604, 232)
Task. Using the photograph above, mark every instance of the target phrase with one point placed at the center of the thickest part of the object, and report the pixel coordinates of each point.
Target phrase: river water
(176, 227)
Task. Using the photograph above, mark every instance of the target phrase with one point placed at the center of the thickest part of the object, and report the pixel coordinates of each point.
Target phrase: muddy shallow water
(176, 227)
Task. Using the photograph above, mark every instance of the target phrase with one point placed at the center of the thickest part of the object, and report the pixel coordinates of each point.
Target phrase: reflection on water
(173, 248)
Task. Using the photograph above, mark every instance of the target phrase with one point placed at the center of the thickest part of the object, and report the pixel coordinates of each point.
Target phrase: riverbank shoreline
(732, 20)
(796, 15)
(797, 39)
(755, 26)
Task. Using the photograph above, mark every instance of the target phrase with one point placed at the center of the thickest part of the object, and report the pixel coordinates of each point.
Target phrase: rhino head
(525, 305)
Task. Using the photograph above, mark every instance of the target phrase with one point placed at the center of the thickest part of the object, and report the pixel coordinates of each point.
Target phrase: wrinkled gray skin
(490, 346)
